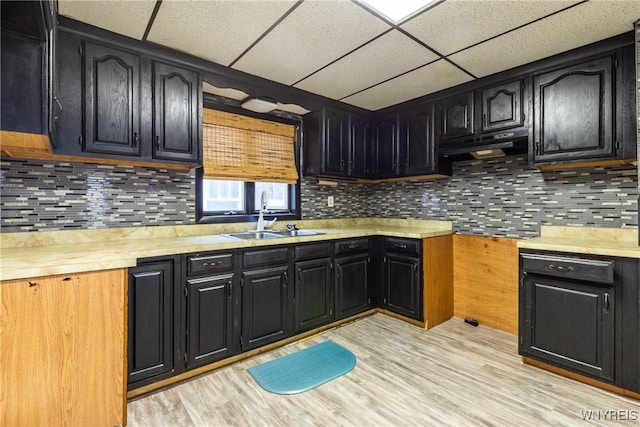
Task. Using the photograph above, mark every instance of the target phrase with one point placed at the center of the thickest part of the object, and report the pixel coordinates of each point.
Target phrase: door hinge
(186, 291)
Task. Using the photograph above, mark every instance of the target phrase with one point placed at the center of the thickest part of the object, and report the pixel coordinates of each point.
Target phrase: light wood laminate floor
(451, 375)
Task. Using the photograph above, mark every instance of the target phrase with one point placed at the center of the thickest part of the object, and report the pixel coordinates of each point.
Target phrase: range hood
(486, 146)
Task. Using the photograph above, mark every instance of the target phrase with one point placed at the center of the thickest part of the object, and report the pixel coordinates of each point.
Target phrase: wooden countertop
(620, 242)
(36, 254)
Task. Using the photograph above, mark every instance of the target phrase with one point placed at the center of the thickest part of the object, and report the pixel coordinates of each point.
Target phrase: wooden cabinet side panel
(437, 267)
(62, 347)
(485, 280)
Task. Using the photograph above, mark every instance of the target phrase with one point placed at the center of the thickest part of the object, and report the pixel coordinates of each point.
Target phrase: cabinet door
(153, 345)
(457, 116)
(359, 147)
(352, 285)
(63, 348)
(418, 144)
(265, 307)
(313, 296)
(502, 106)
(210, 319)
(111, 101)
(176, 115)
(573, 112)
(569, 324)
(402, 286)
(386, 147)
(335, 142)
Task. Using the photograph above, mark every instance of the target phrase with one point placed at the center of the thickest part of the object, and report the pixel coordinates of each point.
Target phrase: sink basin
(295, 233)
(254, 235)
(271, 234)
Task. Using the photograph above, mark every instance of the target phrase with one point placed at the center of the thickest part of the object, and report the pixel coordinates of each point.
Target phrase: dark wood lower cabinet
(402, 287)
(581, 313)
(571, 324)
(210, 319)
(154, 322)
(265, 306)
(313, 294)
(352, 294)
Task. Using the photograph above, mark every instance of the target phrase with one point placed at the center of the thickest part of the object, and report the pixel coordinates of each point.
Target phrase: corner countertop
(37, 254)
(620, 242)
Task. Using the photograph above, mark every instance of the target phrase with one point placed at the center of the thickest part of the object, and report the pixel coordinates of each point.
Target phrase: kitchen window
(244, 156)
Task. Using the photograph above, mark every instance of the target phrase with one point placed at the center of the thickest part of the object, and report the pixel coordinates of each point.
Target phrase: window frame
(203, 217)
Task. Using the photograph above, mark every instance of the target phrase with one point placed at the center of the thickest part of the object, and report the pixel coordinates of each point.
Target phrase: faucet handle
(291, 227)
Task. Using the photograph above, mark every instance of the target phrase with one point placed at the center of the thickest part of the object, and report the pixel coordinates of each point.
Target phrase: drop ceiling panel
(384, 58)
(313, 35)
(124, 17)
(578, 26)
(456, 24)
(215, 30)
(425, 80)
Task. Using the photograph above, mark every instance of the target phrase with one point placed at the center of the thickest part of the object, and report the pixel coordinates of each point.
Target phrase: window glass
(277, 195)
(222, 196)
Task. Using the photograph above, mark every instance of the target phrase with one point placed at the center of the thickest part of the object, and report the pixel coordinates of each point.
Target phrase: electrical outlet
(330, 201)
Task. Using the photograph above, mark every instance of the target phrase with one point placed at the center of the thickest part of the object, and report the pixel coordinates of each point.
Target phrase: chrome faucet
(262, 224)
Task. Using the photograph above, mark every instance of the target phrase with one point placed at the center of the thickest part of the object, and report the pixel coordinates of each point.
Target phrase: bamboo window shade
(242, 148)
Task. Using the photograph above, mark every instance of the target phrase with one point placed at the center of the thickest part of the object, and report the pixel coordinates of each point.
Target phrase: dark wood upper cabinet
(111, 101)
(418, 144)
(502, 106)
(386, 147)
(457, 114)
(359, 147)
(574, 112)
(176, 101)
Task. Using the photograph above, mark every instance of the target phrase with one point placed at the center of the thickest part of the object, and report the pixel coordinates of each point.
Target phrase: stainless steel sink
(254, 235)
(271, 234)
(295, 233)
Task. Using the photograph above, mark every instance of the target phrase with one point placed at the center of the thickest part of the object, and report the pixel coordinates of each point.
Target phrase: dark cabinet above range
(488, 118)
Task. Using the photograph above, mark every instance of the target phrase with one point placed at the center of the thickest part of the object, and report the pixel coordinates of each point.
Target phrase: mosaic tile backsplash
(499, 197)
(38, 195)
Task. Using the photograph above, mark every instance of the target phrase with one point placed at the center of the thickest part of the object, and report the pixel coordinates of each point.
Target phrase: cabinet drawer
(352, 246)
(263, 257)
(198, 264)
(584, 269)
(405, 246)
(316, 250)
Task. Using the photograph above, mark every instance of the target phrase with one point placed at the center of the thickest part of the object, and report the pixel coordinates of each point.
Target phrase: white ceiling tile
(425, 80)
(456, 24)
(124, 17)
(215, 30)
(313, 35)
(578, 26)
(384, 58)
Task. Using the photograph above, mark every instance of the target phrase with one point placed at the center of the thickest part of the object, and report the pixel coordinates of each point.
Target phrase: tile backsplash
(500, 197)
(38, 195)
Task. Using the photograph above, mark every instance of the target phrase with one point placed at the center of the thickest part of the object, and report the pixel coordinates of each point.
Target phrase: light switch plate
(330, 201)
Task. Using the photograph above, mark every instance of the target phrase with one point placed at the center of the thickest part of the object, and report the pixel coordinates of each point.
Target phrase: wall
(37, 195)
(500, 197)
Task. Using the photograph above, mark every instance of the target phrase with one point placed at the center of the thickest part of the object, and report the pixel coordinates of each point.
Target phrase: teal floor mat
(305, 369)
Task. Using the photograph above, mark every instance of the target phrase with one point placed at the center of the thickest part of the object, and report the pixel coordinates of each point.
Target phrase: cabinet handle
(229, 285)
(415, 267)
(352, 247)
(157, 143)
(484, 119)
(342, 165)
(560, 268)
(606, 302)
(286, 279)
(398, 246)
(537, 147)
(135, 139)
